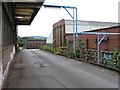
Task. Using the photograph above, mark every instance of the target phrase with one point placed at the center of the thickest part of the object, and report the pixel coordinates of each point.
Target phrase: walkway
(39, 69)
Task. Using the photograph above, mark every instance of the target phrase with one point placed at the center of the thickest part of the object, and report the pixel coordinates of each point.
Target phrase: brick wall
(59, 33)
(33, 44)
(110, 43)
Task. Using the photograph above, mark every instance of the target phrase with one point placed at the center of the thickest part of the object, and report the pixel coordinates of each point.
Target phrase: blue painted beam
(57, 6)
(69, 13)
(102, 39)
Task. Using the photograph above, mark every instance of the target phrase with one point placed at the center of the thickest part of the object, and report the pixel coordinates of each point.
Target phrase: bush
(71, 53)
(50, 49)
(116, 58)
(77, 53)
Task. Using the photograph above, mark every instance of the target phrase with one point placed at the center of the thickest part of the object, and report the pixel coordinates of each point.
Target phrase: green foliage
(46, 48)
(57, 51)
(20, 41)
(77, 53)
(110, 63)
(114, 62)
(116, 59)
(71, 53)
(50, 49)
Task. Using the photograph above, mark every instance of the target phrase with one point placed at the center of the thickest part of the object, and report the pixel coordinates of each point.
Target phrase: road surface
(40, 69)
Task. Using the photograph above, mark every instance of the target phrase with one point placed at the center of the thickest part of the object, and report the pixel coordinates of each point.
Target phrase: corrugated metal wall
(0, 36)
(8, 38)
(0, 26)
(8, 26)
(8, 33)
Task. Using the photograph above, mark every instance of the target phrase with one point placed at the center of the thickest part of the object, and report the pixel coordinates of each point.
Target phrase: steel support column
(98, 38)
(73, 33)
(99, 42)
(73, 17)
(76, 23)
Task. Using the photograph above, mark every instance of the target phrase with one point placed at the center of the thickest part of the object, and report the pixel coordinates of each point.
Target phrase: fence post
(80, 54)
(86, 55)
(119, 60)
(95, 57)
(104, 62)
(115, 59)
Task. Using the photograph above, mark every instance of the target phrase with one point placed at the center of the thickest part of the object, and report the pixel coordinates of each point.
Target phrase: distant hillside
(34, 37)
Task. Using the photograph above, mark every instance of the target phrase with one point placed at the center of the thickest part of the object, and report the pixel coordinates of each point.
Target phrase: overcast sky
(91, 10)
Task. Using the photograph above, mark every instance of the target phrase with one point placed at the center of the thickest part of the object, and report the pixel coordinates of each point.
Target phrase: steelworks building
(87, 44)
(63, 34)
(34, 44)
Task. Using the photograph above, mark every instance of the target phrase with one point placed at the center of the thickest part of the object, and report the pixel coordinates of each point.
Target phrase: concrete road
(39, 69)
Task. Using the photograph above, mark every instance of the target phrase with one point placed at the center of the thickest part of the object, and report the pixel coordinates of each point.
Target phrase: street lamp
(73, 17)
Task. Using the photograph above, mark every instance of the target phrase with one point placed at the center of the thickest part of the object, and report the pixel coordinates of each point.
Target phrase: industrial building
(63, 32)
(87, 44)
(34, 44)
(110, 43)
(13, 13)
(50, 38)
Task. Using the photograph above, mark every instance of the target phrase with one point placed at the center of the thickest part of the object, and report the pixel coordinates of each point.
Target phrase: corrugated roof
(26, 11)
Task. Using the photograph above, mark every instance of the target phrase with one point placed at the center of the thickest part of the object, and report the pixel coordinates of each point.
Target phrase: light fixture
(18, 17)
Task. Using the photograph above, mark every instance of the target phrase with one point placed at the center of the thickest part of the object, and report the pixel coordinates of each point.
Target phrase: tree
(20, 41)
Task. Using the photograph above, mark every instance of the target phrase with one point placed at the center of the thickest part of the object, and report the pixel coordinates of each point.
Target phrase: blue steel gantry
(99, 40)
(73, 17)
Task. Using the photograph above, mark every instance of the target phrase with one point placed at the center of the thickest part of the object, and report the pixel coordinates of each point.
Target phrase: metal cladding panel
(87, 25)
(0, 26)
(9, 11)
(8, 25)
(50, 38)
